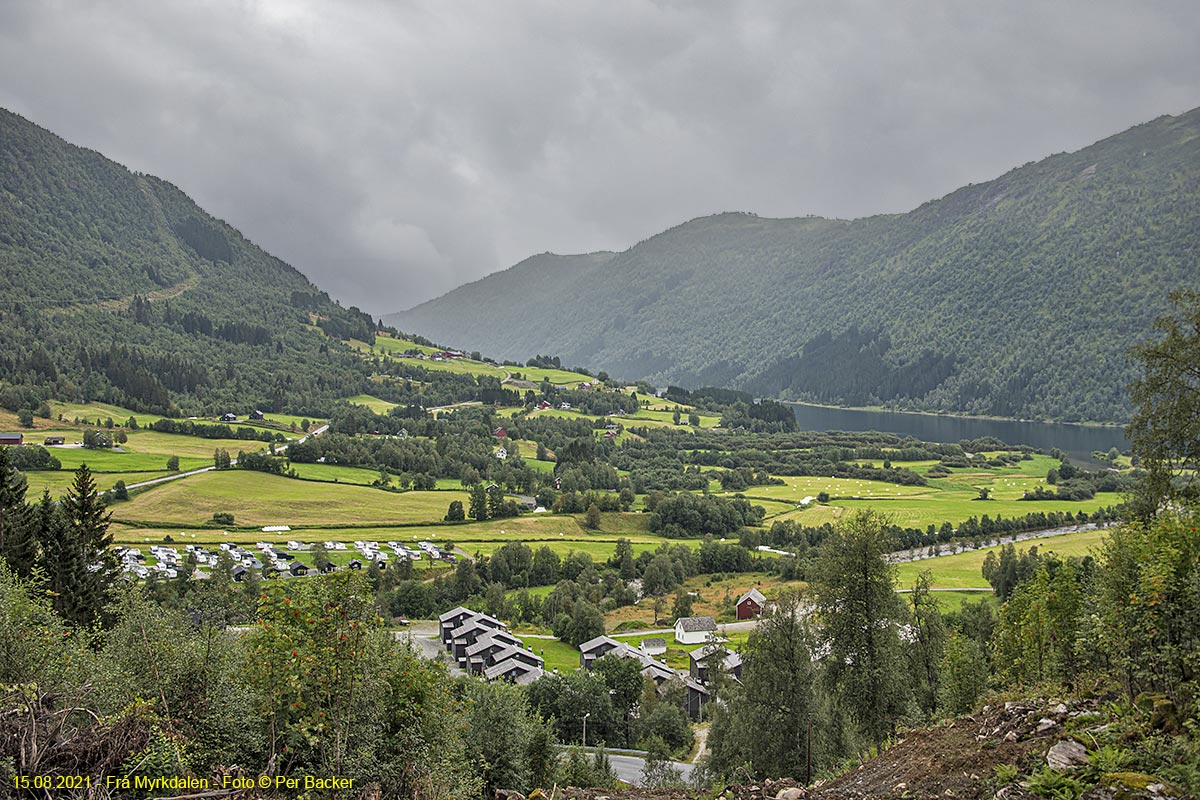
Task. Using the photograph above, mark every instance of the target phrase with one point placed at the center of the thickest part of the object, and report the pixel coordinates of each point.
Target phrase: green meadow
(257, 498)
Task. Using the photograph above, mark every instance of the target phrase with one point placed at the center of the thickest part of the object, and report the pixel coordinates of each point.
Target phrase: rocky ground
(955, 760)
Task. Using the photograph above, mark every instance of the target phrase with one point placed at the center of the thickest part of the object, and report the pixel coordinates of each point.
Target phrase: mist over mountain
(1016, 297)
(115, 286)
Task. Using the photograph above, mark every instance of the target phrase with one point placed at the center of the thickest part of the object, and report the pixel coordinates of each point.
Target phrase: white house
(695, 630)
(501, 453)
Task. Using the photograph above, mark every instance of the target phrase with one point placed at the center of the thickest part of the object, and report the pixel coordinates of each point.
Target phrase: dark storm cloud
(394, 150)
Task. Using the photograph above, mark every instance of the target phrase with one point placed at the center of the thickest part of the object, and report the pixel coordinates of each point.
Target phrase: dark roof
(695, 624)
(656, 642)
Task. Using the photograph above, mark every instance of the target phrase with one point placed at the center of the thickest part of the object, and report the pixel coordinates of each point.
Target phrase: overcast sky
(393, 150)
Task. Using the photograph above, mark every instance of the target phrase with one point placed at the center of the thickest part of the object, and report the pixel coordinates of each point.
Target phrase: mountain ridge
(115, 286)
(981, 289)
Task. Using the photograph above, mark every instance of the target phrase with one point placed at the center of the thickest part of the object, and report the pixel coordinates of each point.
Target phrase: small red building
(751, 604)
(500, 433)
(13, 439)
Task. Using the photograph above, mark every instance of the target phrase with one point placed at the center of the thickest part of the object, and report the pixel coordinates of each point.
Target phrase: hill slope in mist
(1016, 297)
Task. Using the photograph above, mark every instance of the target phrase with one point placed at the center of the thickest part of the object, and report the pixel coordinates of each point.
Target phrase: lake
(1078, 441)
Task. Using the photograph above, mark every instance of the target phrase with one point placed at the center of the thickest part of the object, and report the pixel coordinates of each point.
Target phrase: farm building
(501, 453)
(229, 418)
(751, 604)
(695, 630)
(653, 647)
(12, 439)
(256, 415)
(500, 433)
(544, 405)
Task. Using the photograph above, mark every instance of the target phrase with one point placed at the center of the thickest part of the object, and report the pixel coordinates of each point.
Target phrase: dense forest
(1016, 297)
(116, 287)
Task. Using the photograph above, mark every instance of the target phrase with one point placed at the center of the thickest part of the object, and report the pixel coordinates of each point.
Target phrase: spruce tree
(17, 544)
(85, 528)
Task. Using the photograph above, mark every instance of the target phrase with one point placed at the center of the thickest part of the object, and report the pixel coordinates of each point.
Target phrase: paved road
(629, 767)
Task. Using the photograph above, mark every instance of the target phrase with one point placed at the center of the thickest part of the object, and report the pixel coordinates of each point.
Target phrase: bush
(221, 518)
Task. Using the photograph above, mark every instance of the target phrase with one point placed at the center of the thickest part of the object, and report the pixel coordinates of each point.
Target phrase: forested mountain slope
(115, 286)
(1016, 297)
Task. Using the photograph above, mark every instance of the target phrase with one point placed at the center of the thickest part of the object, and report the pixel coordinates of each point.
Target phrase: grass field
(560, 656)
(460, 366)
(963, 570)
(94, 411)
(59, 481)
(371, 402)
(389, 344)
(557, 377)
(256, 498)
(334, 474)
(114, 461)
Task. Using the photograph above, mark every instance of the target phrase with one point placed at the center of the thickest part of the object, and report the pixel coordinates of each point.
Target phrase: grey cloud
(394, 150)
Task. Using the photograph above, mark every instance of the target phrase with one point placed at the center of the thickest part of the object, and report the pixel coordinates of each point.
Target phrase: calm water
(1078, 441)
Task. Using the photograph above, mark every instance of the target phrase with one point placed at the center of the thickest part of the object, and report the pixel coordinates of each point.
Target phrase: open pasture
(88, 413)
(371, 402)
(965, 570)
(460, 366)
(557, 377)
(955, 507)
(59, 481)
(256, 498)
(329, 473)
(796, 488)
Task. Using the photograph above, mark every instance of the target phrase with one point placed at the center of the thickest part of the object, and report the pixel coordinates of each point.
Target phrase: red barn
(751, 604)
(500, 433)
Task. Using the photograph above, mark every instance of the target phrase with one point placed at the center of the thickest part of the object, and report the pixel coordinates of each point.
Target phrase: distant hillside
(1016, 297)
(116, 287)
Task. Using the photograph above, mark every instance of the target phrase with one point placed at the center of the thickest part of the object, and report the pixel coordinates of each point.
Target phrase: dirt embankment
(955, 760)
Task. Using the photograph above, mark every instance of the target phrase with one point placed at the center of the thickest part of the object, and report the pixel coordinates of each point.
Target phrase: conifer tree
(85, 533)
(17, 544)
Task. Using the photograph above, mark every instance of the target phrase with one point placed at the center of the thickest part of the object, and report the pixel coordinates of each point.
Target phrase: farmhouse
(564, 406)
(501, 453)
(751, 604)
(52, 440)
(695, 630)
(229, 418)
(13, 439)
(256, 415)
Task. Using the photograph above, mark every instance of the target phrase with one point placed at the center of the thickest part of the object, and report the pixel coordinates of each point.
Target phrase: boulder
(794, 793)
(1066, 755)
